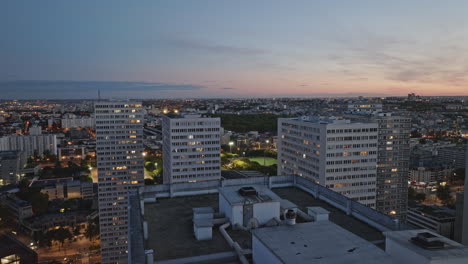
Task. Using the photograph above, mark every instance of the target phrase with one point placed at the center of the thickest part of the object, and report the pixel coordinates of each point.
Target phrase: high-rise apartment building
(461, 220)
(191, 148)
(339, 154)
(119, 149)
(30, 144)
(393, 164)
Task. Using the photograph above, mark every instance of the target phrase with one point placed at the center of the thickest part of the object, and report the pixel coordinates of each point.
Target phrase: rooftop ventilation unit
(247, 191)
(290, 217)
(427, 240)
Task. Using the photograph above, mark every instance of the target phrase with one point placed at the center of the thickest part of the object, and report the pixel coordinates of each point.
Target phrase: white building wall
(225, 207)
(30, 143)
(191, 149)
(338, 154)
(237, 213)
(266, 211)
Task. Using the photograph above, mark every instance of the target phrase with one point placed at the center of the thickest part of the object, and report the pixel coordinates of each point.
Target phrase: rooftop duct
(427, 240)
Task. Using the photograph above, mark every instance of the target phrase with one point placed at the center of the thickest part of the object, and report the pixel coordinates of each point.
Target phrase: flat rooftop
(355, 226)
(331, 121)
(170, 225)
(451, 250)
(319, 242)
(170, 229)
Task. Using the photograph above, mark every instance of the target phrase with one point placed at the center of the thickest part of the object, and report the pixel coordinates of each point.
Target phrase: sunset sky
(175, 48)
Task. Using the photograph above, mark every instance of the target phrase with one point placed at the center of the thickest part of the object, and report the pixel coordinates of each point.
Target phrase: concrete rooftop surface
(170, 225)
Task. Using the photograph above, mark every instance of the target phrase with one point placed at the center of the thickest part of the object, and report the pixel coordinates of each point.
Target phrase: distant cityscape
(234, 180)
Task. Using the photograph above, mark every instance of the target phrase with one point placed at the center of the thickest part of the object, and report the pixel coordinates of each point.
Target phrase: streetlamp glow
(230, 146)
(264, 152)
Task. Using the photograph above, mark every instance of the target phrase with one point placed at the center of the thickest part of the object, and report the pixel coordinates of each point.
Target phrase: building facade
(364, 108)
(461, 220)
(423, 174)
(339, 154)
(30, 144)
(436, 218)
(191, 147)
(11, 165)
(119, 149)
(393, 164)
(72, 121)
(452, 157)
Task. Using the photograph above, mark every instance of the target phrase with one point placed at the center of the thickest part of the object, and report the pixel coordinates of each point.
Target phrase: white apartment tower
(119, 149)
(191, 149)
(30, 144)
(338, 154)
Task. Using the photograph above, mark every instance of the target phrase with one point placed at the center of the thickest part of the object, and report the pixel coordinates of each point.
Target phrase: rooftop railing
(366, 214)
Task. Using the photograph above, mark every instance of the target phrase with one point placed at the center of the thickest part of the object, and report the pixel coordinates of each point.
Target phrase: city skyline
(224, 49)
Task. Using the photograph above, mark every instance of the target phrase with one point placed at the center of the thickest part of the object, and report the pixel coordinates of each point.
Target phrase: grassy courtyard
(268, 161)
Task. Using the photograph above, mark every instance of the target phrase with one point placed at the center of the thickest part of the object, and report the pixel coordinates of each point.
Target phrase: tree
(444, 195)
(43, 239)
(39, 202)
(149, 182)
(420, 197)
(61, 235)
(92, 231)
(77, 230)
(416, 134)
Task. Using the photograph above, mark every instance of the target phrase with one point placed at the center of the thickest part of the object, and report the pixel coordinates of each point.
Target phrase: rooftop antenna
(99, 95)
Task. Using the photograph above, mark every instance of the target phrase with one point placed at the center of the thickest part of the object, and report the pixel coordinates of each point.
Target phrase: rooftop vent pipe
(290, 217)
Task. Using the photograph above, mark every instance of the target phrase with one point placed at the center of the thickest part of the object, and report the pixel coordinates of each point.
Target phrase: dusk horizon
(224, 49)
(67, 89)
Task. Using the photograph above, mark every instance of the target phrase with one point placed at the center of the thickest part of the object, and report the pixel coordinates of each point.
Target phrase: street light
(264, 153)
(230, 146)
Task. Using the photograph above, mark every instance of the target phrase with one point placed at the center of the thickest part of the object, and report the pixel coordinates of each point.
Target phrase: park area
(266, 161)
(234, 162)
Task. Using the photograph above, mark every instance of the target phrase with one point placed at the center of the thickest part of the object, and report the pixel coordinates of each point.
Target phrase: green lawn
(268, 161)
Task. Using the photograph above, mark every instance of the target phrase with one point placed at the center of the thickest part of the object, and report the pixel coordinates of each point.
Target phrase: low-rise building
(71, 153)
(422, 174)
(11, 166)
(67, 188)
(12, 251)
(20, 209)
(73, 121)
(436, 218)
